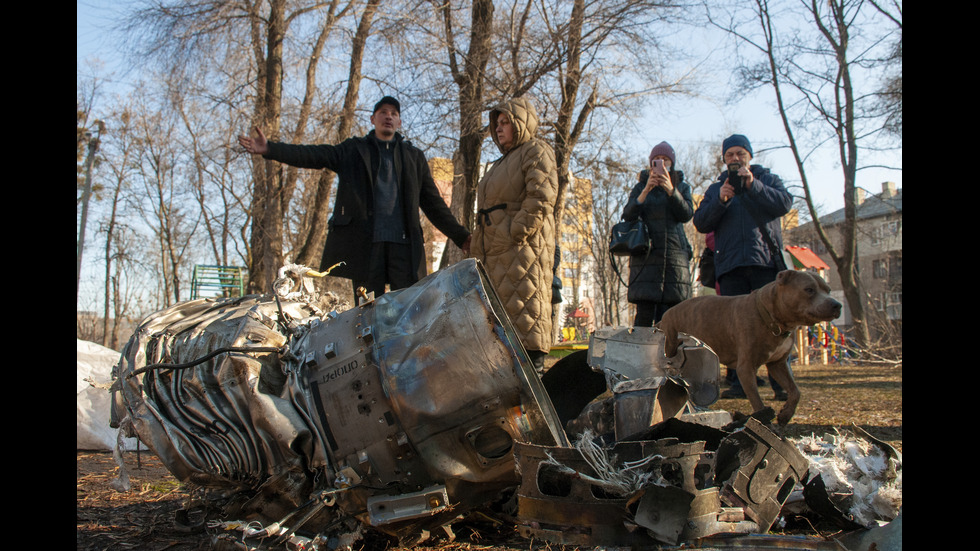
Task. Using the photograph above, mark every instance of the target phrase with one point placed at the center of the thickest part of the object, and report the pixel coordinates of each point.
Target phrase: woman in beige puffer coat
(515, 231)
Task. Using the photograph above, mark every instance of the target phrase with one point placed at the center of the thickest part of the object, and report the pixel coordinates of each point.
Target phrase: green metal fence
(217, 281)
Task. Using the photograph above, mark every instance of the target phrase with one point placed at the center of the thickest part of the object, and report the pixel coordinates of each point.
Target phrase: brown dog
(747, 331)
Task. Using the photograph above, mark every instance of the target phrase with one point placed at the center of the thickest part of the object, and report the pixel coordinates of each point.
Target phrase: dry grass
(838, 396)
(140, 519)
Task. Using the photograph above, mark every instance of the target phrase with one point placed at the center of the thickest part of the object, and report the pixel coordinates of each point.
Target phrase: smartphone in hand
(734, 178)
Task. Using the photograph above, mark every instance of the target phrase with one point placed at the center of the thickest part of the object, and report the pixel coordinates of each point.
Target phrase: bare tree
(612, 179)
(210, 33)
(312, 248)
(583, 41)
(87, 139)
(273, 190)
(162, 202)
(216, 174)
(468, 71)
(125, 286)
(543, 50)
(891, 91)
(119, 165)
(812, 74)
(117, 246)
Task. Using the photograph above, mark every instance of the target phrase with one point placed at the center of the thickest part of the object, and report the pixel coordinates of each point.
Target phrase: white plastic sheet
(94, 363)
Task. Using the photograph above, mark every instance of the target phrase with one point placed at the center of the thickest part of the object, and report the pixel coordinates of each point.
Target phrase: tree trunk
(266, 257)
(93, 147)
(107, 297)
(840, 115)
(471, 106)
(564, 141)
(311, 252)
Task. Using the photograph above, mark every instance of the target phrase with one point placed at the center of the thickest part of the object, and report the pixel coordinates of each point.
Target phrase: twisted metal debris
(303, 421)
(399, 413)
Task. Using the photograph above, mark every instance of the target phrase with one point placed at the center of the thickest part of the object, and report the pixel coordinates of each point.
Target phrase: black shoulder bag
(628, 238)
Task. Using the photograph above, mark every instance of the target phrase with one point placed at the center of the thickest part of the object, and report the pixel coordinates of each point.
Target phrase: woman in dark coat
(662, 278)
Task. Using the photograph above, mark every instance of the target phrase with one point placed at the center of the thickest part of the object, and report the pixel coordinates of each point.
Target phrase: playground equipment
(823, 340)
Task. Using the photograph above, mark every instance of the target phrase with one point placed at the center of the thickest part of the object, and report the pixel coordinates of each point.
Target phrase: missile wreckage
(302, 422)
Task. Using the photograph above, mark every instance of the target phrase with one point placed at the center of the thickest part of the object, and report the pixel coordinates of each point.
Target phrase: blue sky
(683, 121)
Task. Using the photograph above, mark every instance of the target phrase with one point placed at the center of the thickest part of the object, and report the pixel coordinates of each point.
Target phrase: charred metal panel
(664, 510)
(677, 481)
(556, 503)
(757, 470)
(588, 495)
(645, 387)
(708, 516)
(646, 402)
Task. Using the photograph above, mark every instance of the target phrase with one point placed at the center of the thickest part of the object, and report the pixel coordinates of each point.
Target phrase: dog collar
(771, 324)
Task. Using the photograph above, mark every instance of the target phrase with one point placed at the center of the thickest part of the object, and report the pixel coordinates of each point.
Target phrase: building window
(880, 301)
(883, 231)
(895, 268)
(894, 307)
(880, 269)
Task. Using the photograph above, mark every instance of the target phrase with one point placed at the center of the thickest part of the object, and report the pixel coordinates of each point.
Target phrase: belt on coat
(483, 215)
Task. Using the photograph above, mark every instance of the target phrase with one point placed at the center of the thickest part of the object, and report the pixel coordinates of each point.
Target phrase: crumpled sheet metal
(396, 408)
(222, 421)
(565, 499)
(635, 493)
(644, 386)
(690, 482)
(632, 408)
(632, 353)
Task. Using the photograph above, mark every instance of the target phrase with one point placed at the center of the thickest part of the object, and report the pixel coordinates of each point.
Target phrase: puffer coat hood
(523, 117)
(515, 232)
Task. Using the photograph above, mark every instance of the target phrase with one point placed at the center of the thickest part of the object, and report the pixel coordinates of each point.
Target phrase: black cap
(388, 100)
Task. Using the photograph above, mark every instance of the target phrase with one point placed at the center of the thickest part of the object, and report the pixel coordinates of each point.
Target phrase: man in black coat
(383, 181)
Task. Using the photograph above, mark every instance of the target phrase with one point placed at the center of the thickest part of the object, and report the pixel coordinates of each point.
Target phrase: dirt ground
(143, 518)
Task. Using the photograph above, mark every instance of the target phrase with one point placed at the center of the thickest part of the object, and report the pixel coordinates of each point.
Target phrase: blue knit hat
(663, 148)
(739, 140)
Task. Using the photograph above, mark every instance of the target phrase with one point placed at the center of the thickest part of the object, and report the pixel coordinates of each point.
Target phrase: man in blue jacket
(383, 181)
(739, 207)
